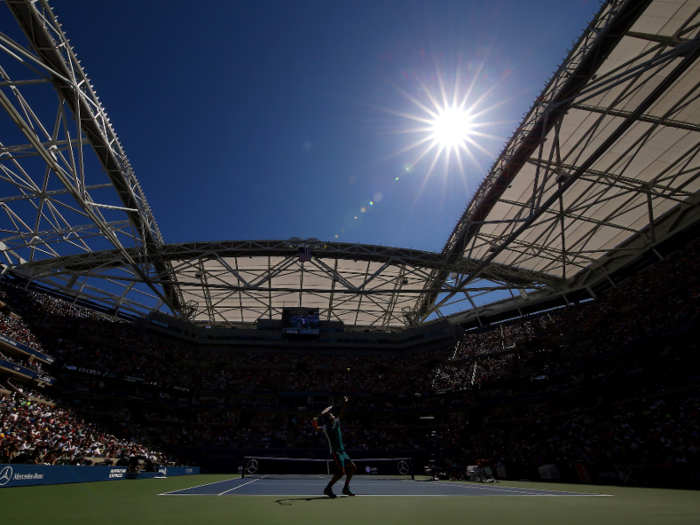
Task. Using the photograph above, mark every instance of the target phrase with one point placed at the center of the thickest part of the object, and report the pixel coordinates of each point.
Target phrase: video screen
(300, 321)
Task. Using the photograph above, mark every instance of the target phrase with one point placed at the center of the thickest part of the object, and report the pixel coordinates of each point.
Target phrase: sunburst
(451, 127)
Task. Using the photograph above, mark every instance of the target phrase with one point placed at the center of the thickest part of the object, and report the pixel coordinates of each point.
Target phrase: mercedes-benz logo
(252, 466)
(6, 475)
(403, 468)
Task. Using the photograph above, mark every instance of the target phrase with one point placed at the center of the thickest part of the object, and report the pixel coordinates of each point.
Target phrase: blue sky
(273, 119)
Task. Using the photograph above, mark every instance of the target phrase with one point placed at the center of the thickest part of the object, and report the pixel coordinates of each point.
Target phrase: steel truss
(65, 180)
(610, 148)
(605, 165)
(238, 282)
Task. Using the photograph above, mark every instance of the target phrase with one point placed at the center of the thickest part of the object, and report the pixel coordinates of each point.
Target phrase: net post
(410, 466)
(243, 468)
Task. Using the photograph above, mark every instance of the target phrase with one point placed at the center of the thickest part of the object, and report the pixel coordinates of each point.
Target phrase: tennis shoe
(329, 492)
(347, 491)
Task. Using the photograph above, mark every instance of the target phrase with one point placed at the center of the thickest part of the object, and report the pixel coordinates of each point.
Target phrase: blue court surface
(361, 487)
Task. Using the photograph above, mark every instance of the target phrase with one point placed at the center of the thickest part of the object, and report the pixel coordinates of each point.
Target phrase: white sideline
(239, 486)
(172, 492)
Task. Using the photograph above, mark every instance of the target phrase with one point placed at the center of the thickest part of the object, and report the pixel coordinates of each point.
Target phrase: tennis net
(276, 467)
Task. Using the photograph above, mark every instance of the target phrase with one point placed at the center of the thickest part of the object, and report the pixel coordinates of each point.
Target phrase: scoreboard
(300, 321)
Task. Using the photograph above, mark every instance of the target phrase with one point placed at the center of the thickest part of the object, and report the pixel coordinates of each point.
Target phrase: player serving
(330, 425)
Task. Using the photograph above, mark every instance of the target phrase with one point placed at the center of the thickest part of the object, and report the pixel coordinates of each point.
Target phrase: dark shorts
(341, 459)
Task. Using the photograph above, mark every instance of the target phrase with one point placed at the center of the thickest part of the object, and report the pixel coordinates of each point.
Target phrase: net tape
(252, 463)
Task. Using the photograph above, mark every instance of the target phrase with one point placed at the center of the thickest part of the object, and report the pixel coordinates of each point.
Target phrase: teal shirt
(332, 432)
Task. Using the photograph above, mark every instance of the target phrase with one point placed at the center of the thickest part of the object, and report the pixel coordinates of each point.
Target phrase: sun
(452, 124)
(451, 127)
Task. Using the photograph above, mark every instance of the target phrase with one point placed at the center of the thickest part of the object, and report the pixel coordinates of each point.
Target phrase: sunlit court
(210, 499)
(397, 262)
(300, 487)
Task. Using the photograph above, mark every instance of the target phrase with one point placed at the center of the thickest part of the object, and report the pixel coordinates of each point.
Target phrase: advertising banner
(86, 371)
(19, 475)
(14, 367)
(164, 472)
(24, 348)
(9, 365)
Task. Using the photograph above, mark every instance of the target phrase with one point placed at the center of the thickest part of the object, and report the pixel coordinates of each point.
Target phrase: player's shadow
(290, 501)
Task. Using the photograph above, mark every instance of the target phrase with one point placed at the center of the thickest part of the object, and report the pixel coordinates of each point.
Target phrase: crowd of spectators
(15, 328)
(191, 435)
(23, 360)
(36, 430)
(482, 356)
(495, 363)
(655, 433)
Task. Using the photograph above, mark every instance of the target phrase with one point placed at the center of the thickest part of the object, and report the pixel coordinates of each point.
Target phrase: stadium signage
(302, 311)
(24, 348)
(9, 365)
(6, 475)
(25, 477)
(88, 371)
(19, 475)
(16, 368)
(45, 379)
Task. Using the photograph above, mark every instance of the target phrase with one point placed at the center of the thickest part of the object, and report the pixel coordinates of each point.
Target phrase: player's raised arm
(342, 410)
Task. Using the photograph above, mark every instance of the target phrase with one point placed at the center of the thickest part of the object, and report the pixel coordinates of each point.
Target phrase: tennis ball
(348, 369)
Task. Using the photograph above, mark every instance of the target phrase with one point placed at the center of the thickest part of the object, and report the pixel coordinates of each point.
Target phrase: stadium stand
(610, 384)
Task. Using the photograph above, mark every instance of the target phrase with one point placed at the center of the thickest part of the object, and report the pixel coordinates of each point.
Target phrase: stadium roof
(238, 282)
(606, 153)
(604, 165)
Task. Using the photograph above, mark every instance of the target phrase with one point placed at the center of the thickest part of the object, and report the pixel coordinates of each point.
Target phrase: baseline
(203, 492)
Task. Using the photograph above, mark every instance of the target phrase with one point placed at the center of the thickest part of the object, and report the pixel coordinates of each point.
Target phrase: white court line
(510, 491)
(516, 490)
(239, 486)
(269, 482)
(196, 487)
(423, 495)
(400, 495)
(492, 487)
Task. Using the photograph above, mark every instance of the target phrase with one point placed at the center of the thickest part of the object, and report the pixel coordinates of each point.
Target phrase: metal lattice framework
(609, 149)
(239, 282)
(604, 165)
(66, 184)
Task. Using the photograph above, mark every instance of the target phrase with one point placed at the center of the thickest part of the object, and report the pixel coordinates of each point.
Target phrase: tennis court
(392, 502)
(362, 487)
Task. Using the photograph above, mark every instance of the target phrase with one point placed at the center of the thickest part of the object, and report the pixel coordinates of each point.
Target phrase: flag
(304, 253)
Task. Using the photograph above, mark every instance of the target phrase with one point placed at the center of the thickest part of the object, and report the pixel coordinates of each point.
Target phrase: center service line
(239, 486)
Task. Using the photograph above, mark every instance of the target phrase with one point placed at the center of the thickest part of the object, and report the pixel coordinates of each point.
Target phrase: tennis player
(330, 425)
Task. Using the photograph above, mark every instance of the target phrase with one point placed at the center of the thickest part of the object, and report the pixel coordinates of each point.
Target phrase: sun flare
(452, 123)
(451, 127)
